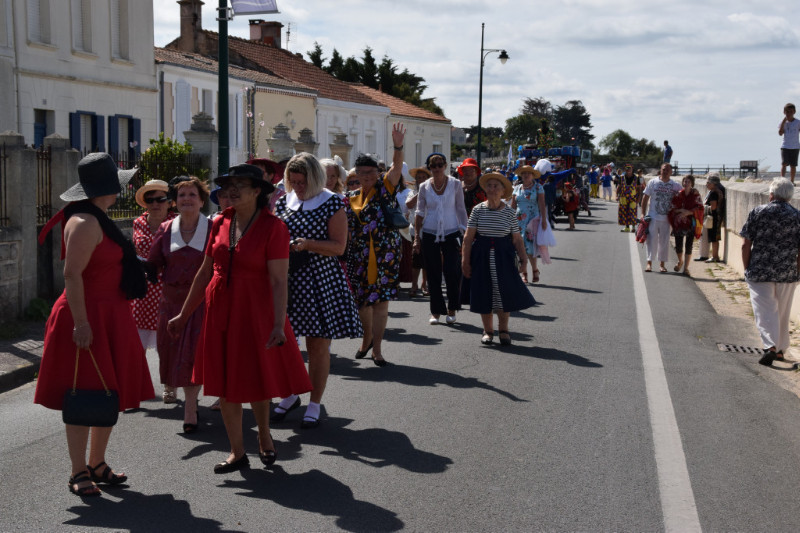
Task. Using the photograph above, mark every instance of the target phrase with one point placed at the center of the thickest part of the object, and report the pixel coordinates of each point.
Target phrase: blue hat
(213, 195)
(428, 159)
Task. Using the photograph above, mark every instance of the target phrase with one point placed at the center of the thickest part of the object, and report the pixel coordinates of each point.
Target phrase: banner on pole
(254, 7)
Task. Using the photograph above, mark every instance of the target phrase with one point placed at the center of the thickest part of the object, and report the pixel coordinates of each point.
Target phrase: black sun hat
(98, 175)
(246, 171)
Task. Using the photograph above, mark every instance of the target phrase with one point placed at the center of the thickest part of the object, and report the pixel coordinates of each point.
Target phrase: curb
(19, 376)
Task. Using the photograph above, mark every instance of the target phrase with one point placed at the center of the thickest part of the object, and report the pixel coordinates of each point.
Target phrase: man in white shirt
(790, 148)
(658, 195)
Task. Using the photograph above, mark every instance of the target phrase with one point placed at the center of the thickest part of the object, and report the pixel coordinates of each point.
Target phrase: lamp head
(503, 57)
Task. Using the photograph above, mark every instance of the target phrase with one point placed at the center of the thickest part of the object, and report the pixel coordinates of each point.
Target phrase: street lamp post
(503, 58)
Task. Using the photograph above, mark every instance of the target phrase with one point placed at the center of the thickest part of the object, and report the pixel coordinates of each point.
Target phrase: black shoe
(767, 358)
(702, 259)
(309, 423)
(278, 417)
(191, 428)
(239, 464)
(505, 341)
(268, 457)
(362, 355)
(379, 362)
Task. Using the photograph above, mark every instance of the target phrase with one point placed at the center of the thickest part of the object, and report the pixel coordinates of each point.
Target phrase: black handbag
(298, 260)
(392, 215)
(97, 408)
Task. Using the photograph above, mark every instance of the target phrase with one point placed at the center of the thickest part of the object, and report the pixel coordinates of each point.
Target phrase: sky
(711, 76)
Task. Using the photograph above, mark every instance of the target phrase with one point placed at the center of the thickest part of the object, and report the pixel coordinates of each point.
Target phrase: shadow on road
(138, 513)
(564, 288)
(402, 335)
(550, 354)
(315, 492)
(412, 376)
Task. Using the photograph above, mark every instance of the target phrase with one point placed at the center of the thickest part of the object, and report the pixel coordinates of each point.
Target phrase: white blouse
(444, 213)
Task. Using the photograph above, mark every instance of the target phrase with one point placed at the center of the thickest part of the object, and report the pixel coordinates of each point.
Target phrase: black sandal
(505, 341)
(108, 476)
(91, 490)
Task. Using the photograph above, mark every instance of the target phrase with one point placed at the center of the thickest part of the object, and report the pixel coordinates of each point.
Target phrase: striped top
(493, 223)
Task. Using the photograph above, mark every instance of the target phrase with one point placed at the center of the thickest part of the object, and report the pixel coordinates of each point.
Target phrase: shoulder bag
(97, 408)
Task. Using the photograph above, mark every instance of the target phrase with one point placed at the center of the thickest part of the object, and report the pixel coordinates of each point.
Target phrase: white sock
(287, 402)
(312, 411)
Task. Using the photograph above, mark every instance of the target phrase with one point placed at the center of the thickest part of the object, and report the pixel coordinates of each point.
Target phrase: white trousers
(658, 240)
(705, 246)
(772, 308)
(607, 193)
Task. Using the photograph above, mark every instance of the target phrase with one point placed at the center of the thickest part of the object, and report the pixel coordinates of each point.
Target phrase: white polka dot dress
(320, 301)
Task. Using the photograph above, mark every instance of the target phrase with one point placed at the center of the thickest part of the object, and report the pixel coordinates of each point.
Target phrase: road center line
(675, 487)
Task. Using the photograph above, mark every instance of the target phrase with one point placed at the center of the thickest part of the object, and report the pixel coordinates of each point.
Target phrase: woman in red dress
(153, 196)
(92, 313)
(247, 352)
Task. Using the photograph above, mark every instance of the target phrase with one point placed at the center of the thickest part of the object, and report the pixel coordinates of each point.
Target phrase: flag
(510, 154)
(254, 7)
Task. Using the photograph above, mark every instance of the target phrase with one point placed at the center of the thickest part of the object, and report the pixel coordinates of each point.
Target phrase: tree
(351, 71)
(369, 69)
(618, 143)
(522, 129)
(572, 121)
(387, 71)
(315, 56)
(537, 107)
(335, 65)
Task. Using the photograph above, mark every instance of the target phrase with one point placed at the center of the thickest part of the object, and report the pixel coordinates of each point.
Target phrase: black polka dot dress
(320, 301)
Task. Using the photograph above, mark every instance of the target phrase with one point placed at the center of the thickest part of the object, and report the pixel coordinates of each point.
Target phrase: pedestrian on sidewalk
(771, 258)
(790, 147)
(93, 318)
(528, 200)
(656, 202)
(626, 216)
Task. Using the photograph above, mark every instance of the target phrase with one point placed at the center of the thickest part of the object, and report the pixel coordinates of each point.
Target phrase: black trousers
(679, 243)
(443, 258)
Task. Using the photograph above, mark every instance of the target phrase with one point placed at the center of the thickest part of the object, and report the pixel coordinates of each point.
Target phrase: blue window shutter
(99, 133)
(113, 137)
(75, 130)
(136, 135)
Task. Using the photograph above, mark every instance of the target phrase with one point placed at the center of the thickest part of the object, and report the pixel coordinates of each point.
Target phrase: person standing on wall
(790, 148)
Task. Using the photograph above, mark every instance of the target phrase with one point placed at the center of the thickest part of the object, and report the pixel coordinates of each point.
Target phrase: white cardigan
(444, 213)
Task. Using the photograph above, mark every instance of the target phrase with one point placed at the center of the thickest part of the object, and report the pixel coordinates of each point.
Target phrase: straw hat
(507, 189)
(152, 185)
(528, 168)
(424, 170)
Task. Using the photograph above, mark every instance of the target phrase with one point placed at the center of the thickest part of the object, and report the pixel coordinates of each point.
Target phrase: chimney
(191, 24)
(266, 32)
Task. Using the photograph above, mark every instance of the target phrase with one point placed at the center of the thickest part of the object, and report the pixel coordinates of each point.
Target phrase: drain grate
(739, 349)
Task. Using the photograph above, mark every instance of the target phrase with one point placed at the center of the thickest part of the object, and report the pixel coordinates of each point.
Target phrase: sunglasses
(152, 200)
(436, 165)
(353, 183)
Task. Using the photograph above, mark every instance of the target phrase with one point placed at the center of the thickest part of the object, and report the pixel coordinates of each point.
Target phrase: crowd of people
(306, 249)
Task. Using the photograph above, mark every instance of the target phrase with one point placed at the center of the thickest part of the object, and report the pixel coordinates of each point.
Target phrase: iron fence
(44, 207)
(725, 172)
(4, 220)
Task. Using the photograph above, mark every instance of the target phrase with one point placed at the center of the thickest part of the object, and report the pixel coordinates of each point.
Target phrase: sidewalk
(20, 357)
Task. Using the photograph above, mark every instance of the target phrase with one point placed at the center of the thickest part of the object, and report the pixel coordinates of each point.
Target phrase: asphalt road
(614, 410)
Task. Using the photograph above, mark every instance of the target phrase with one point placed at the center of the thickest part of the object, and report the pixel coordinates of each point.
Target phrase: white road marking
(675, 487)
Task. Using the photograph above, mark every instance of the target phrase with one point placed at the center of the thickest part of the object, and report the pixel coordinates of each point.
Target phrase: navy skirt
(477, 291)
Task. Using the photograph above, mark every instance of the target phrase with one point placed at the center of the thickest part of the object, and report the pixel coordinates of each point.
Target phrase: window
(87, 131)
(418, 152)
(39, 21)
(183, 102)
(119, 29)
(124, 137)
(236, 122)
(437, 147)
(208, 102)
(43, 122)
(369, 141)
(81, 25)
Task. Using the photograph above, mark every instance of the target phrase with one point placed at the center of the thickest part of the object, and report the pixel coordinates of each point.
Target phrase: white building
(81, 68)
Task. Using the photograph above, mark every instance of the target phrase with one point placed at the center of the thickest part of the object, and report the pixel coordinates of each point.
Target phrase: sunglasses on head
(153, 200)
(436, 165)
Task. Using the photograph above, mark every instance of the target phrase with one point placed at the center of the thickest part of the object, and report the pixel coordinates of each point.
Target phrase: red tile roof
(398, 106)
(206, 64)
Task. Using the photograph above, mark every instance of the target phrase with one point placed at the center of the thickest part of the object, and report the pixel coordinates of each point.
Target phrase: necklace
(439, 189)
(234, 241)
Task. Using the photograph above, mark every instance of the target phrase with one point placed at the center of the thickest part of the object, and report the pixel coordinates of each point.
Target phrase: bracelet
(76, 328)
(399, 147)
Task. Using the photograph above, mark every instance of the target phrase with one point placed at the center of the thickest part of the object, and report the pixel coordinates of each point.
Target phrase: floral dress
(627, 202)
(373, 255)
(145, 310)
(528, 209)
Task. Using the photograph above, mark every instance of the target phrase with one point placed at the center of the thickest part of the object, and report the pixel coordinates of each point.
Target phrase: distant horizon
(713, 79)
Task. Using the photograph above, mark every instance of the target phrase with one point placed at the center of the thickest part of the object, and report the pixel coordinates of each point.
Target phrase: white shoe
(433, 320)
(450, 319)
